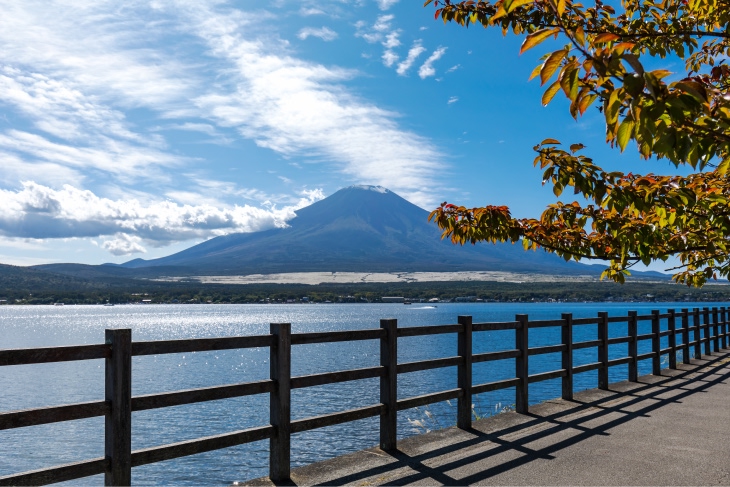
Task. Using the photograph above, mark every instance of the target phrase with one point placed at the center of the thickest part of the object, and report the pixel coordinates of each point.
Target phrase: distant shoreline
(318, 278)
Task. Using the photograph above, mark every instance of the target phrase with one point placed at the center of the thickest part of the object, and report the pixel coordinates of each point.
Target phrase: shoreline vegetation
(166, 292)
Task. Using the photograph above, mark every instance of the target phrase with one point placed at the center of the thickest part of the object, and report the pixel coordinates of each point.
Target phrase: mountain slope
(357, 229)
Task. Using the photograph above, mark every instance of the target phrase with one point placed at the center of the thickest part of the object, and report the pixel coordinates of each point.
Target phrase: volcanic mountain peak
(357, 229)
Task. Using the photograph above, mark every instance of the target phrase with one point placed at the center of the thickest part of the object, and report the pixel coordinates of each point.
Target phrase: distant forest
(70, 292)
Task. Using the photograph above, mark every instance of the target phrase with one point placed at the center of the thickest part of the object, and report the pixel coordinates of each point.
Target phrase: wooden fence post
(464, 371)
(685, 336)
(567, 356)
(389, 385)
(672, 325)
(715, 327)
(706, 326)
(698, 334)
(633, 347)
(603, 350)
(118, 421)
(656, 362)
(723, 317)
(521, 364)
(280, 403)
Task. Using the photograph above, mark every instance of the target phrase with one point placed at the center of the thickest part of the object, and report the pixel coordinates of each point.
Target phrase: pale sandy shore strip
(314, 278)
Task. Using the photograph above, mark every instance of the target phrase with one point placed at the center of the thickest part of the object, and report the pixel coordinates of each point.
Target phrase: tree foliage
(682, 117)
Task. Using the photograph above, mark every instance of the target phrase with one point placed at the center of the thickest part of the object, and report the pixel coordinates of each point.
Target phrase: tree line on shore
(181, 293)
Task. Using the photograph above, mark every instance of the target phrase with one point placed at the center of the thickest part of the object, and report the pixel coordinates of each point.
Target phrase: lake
(30, 386)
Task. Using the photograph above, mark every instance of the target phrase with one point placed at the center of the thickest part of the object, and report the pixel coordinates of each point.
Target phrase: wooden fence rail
(708, 327)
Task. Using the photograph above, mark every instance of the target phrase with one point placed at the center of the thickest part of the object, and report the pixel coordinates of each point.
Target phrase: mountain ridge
(356, 229)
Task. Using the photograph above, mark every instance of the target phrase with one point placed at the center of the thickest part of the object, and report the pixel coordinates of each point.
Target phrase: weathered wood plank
(633, 347)
(553, 374)
(389, 385)
(464, 373)
(492, 356)
(437, 363)
(60, 473)
(415, 331)
(118, 420)
(586, 344)
(545, 323)
(336, 336)
(200, 445)
(603, 350)
(190, 396)
(522, 368)
(672, 325)
(546, 349)
(495, 386)
(52, 414)
(325, 420)
(280, 403)
(506, 325)
(200, 345)
(335, 377)
(587, 367)
(566, 357)
(424, 399)
(25, 356)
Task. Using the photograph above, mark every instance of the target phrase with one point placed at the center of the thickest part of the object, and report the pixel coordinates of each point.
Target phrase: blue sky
(139, 128)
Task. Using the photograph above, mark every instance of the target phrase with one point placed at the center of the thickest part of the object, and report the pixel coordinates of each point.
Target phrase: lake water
(30, 386)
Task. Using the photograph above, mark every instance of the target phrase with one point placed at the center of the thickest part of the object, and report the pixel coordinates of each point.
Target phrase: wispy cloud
(427, 68)
(416, 50)
(386, 4)
(324, 33)
(296, 107)
(453, 99)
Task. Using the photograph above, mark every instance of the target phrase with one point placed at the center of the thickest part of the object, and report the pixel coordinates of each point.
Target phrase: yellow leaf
(518, 3)
(605, 37)
(580, 35)
(549, 141)
(535, 71)
(551, 64)
(537, 37)
(561, 7)
(550, 92)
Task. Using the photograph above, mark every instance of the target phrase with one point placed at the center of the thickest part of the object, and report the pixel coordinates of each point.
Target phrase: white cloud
(453, 68)
(295, 107)
(427, 68)
(391, 40)
(123, 244)
(386, 4)
(323, 33)
(40, 212)
(416, 50)
(307, 11)
(453, 99)
(389, 58)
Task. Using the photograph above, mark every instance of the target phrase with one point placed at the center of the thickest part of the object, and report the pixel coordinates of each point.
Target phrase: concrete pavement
(663, 430)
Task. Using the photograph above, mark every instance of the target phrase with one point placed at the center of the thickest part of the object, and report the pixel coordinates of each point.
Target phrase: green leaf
(537, 37)
(624, 133)
(724, 166)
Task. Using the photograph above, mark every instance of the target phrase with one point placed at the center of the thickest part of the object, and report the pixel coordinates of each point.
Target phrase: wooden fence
(708, 327)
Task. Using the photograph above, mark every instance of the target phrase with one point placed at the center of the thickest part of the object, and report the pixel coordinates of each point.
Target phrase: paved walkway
(668, 430)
